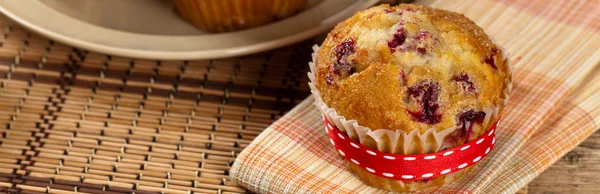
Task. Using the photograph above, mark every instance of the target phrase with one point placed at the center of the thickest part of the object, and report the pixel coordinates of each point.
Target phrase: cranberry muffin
(231, 15)
(407, 68)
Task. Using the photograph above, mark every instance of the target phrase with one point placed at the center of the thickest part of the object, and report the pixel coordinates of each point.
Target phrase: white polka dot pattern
(369, 152)
(429, 157)
(389, 157)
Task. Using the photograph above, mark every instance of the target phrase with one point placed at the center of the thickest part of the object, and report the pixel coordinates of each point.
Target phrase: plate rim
(187, 55)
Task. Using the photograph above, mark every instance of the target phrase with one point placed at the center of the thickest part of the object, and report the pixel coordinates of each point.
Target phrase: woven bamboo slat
(74, 121)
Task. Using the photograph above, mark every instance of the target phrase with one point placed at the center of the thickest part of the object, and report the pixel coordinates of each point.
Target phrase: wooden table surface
(576, 172)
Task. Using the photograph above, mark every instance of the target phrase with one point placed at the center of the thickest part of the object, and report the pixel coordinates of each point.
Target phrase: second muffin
(231, 15)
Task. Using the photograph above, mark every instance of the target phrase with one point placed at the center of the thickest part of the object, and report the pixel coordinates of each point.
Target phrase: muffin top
(410, 67)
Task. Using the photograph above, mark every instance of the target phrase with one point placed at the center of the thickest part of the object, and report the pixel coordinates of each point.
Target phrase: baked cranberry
(387, 11)
(398, 39)
(342, 51)
(402, 75)
(421, 50)
(471, 116)
(490, 60)
(401, 78)
(426, 94)
(423, 40)
(424, 35)
(465, 83)
(371, 15)
(329, 79)
(494, 51)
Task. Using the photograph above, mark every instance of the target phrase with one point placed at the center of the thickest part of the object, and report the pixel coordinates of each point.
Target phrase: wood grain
(576, 172)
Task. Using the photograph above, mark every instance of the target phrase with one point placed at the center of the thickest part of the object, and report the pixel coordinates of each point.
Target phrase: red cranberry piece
(406, 10)
(424, 35)
(494, 51)
(490, 60)
(398, 39)
(426, 94)
(471, 116)
(466, 84)
(387, 11)
(342, 51)
(401, 78)
(421, 50)
(329, 79)
(371, 15)
(402, 75)
(425, 38)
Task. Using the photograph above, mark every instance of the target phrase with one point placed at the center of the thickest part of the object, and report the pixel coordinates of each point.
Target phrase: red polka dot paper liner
(399, 141)
(411, 166)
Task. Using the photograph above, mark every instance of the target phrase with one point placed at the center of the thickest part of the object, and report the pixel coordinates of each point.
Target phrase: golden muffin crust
(410, 67)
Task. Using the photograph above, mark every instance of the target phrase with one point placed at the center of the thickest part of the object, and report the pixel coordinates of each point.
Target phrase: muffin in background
(231, 15)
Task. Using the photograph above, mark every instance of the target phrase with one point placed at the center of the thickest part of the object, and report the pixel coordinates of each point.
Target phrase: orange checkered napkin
(555, 105)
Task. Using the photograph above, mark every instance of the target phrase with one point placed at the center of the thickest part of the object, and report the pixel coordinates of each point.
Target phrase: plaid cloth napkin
(555, 105)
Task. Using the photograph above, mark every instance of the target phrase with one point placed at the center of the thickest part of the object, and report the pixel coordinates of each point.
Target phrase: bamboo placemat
(75, 121)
